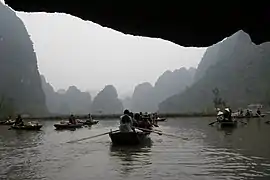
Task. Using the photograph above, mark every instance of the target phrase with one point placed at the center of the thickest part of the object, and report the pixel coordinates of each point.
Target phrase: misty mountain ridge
(147, 97)
(237, 67)
(70, 101)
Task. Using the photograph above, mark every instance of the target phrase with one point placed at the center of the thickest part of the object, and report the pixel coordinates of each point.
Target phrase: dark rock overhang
(187, 25)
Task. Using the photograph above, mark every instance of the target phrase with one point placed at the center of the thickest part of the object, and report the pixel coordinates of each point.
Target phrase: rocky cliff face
(173, 82)
(237, 67)
(107, 101)
(20, 79)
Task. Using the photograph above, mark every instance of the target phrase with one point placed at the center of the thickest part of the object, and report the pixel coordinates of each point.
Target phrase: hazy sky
(71, 51)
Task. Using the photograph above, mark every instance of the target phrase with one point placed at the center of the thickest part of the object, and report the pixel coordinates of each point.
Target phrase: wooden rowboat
(226, 123)
(128, 138)
(68, 126)
(34, 127)
(88, 122)
(252, 116)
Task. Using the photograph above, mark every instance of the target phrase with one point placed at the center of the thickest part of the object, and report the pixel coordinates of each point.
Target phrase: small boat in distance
(252, 111)
(8, 122)
(29, 126)
(67, 125)
(252, 116)
(88, 122)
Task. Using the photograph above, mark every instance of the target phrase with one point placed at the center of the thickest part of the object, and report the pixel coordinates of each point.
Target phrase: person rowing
(19, 121)
(72, 119)
(227, 114)
(90, 119)
(248, 113)
(220, 116)
(241, 113)
(258, 112)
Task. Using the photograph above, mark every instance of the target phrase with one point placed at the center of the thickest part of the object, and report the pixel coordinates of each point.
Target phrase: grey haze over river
(210, 153)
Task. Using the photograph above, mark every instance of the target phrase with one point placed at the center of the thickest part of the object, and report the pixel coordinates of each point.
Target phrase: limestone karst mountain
(237, 67)
(107, 101)
(147, 97)
(20, 84)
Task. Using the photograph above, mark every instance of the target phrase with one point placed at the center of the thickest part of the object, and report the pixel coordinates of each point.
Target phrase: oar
(91, 137)
(212, 123)
(162, 133)
(148, 130)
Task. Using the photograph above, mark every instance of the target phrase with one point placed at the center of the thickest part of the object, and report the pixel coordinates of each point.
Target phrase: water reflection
(258, 120)
(62, 130)
(227, 130)
(132, 158)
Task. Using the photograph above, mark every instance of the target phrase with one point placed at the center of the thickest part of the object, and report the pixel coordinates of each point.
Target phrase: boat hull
(68, 126)
(89, 123)
(227, 123)
(128, 138)
(27, 127)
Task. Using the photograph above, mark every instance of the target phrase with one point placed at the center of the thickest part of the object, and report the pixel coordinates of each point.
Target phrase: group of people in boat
(72, 119)
(248, 113)
(225, 115)
(130, 122)
(18, 121)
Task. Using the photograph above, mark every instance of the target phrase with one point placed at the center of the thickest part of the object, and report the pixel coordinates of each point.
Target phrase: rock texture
(20, 83)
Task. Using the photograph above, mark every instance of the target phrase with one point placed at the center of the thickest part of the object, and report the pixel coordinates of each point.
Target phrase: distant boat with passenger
(30, 126)
(252, 111)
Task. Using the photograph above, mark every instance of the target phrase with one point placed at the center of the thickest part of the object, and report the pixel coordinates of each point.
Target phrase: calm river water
(210, 153)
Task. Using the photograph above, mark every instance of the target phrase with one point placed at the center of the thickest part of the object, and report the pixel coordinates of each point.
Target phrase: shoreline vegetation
(116, 116)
